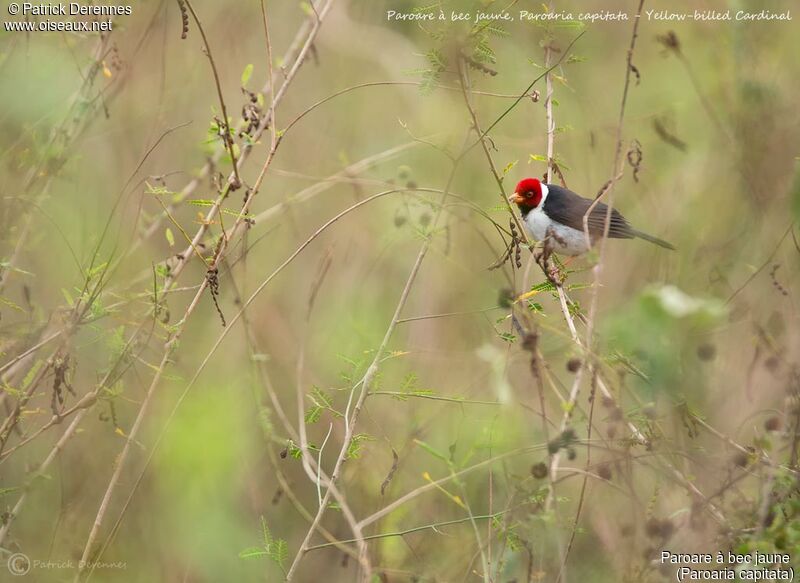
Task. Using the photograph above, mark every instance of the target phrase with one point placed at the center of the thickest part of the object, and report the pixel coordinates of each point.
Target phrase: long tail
(656, 240)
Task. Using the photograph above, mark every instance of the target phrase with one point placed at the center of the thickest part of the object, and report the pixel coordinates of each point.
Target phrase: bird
(554, 214)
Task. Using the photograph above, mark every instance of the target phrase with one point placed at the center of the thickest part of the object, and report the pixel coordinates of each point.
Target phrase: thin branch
(227, 138)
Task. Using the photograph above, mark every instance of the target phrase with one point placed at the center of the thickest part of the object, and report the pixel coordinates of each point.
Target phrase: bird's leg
(554, 273)
(550, 268)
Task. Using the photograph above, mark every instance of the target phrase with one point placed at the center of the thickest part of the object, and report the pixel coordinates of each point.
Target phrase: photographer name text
(63, 17)
(67, 9)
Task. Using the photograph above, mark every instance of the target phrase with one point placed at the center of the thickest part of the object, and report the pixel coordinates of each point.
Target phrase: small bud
(773, 423)
(662, 529)
(574, 365)
(627, 530)
(506, 298)
(529, 342)
(772, 363)
(741, 459)
(706, 352)
(539, 471)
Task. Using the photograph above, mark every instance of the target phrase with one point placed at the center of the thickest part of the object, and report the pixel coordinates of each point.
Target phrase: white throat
(545, 192)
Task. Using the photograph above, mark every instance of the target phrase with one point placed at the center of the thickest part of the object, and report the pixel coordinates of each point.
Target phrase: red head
(528, 193)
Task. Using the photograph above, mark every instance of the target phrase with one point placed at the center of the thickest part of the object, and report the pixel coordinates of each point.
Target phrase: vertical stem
(548, 104)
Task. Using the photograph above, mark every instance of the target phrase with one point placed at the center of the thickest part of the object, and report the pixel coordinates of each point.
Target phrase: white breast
(564, 240)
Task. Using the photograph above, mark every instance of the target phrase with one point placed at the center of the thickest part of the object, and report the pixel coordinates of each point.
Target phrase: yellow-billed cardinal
(554, 213)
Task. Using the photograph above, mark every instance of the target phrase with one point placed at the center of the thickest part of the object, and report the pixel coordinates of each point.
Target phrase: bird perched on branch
(554, 215)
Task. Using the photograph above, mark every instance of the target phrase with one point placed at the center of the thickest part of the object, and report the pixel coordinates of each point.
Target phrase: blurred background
(114, 150)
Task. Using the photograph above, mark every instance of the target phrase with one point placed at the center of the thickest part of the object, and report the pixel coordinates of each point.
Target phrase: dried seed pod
(604, 471)
(539, 471)
(184, 19)
(659, 528)
(706, 352)
(505, 298)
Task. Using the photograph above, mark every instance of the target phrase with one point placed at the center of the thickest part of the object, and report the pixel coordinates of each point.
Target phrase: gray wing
(568, 209)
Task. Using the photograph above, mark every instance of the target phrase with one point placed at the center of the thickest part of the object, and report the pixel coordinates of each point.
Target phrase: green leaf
(496, 30)
(31, 374)
(252, 553)
(544, 286)
(68, 297)
(497, 208)
(354, 449)
(422, 393)
(266, 535)
(7, 265)
(278, 552)
(321, 402)
(313, 414)
(170, 237)
(536, 307)
(246, 74)
(157, 190)
(538, 158)
(10, 304)
(432, 450)
(97, 270)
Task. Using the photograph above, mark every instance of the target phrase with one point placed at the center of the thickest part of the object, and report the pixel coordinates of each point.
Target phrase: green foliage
(356, 445)
(320, 402)
(432, 450)
(246, 74)
(275, 549)
(507, 337)
(651, 330)
(474, 47)
(409, 387)
(780, 527)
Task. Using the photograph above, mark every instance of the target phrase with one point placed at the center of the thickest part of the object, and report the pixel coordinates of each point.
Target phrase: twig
(738, 290)
(432, 526)
(366, 381)
(227, 138)
(171, 343)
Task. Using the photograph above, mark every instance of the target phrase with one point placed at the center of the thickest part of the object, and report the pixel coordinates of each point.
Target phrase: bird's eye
(528, 194)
